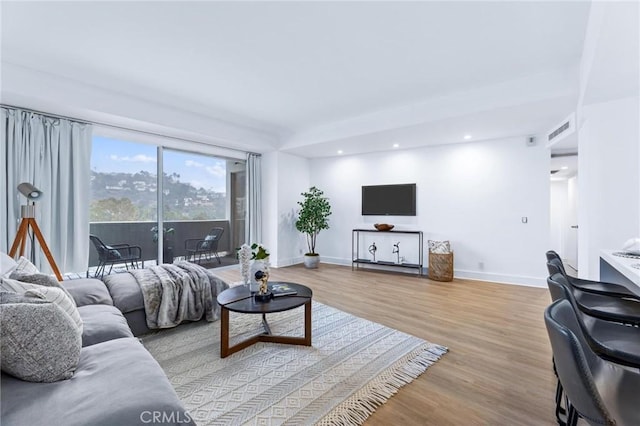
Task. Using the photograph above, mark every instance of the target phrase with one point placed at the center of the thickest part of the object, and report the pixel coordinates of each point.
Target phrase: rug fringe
(358, 407)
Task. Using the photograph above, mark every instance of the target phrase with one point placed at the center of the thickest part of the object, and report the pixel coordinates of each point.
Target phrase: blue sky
(113, 155)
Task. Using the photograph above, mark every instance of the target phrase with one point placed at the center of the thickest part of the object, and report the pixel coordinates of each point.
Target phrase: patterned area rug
(353, 367)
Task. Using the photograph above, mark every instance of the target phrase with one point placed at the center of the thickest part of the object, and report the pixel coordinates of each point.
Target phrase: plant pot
(311, 261)
(167, 255)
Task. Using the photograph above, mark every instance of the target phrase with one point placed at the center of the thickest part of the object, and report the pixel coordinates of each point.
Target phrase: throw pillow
(39, 342)
(52, 294)
(7, 265)
(440, 247)
(40, 279)
(113, 253)
(24, 265)
(206, 244)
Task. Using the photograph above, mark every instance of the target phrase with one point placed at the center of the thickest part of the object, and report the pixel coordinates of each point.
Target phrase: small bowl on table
(383, 226)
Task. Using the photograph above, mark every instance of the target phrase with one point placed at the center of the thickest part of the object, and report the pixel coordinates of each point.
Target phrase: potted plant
(167, 250)
(312, 218)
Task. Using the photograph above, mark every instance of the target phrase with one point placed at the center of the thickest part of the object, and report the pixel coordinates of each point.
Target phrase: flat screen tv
(389, 200)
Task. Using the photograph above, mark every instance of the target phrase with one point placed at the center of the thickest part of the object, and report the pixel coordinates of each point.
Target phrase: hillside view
(133, 197)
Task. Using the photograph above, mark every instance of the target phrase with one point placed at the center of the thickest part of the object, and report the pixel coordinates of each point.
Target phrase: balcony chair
(598, 391)
(115, 254)
(197, 248)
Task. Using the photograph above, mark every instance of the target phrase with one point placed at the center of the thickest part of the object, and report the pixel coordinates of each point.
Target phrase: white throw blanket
(178, 292)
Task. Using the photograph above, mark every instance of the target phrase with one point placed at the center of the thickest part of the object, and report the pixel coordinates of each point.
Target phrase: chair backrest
(211, 240)
(556, 266)
(557, 287)
(552, 255)
(105, 252)
(575, 363)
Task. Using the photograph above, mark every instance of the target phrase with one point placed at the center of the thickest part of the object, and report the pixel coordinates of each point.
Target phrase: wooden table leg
(307, 323)
(224, 332)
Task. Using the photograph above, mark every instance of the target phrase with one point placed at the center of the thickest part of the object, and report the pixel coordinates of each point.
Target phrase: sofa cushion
(7, 265)
(88, 291)
(25, 265)
(39, 342)
(53, 294)
(125, 292)
(102, 323)
(115, 384)
(38, 278)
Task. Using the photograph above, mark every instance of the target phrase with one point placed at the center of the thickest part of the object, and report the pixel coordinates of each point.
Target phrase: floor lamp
(27, 213)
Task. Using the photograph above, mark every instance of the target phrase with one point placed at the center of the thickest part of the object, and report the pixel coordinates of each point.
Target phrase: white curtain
(253, 230)
(54, 155)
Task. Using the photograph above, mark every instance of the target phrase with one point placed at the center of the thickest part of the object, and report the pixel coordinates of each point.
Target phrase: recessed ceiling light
(395, 145)
(467, 137)
(564, 168)
(339, 151)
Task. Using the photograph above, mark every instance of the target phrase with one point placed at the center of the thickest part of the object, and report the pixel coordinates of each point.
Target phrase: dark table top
(239, 299)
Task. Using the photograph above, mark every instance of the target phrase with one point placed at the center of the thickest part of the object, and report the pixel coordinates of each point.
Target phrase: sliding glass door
(202, 207)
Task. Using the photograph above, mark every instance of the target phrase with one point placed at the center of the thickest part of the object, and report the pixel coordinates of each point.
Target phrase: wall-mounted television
(389, 200)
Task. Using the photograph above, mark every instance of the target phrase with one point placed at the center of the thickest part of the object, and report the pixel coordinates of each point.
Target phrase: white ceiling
(317, 73)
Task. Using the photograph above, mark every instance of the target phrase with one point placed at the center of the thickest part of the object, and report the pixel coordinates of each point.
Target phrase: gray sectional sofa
(117, 382)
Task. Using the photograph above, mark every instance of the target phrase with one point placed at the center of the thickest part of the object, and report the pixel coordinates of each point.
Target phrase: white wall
(285, 176)
(609, 202)
(472, 194)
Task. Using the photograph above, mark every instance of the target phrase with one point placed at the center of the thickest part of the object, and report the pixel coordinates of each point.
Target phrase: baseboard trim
(501, 278)
(457, 273)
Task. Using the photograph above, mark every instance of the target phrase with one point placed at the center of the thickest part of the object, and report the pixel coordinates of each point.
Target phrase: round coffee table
(239, 299)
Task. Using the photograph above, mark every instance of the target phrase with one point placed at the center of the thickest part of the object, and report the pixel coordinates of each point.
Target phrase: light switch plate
(525, 219)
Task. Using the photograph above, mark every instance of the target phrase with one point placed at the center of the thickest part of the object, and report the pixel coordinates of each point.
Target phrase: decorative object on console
(313, 218)
(396, 250)
(373, 249)
(383, 226)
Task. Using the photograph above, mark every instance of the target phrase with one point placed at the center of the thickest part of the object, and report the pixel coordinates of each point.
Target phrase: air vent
(562, 130)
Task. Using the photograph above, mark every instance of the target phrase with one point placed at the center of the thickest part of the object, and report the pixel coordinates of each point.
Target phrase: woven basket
(441, 266)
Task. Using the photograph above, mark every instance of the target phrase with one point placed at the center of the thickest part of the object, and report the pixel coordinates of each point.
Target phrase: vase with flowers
(253, 258)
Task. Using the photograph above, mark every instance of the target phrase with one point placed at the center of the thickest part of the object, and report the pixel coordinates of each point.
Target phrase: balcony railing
(140, 234)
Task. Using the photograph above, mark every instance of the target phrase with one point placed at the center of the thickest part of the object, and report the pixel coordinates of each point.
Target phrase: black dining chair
(599, 392)
(607, 336)
(589, 286)
(607, 306)
(115, 254)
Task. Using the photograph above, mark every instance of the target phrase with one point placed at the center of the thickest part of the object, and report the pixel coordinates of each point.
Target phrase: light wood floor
(498, 370)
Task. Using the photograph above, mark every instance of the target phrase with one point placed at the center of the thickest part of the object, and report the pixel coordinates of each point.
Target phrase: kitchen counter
(619, 270)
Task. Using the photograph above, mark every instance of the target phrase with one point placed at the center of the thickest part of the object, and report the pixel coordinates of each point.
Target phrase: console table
(357, 260)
